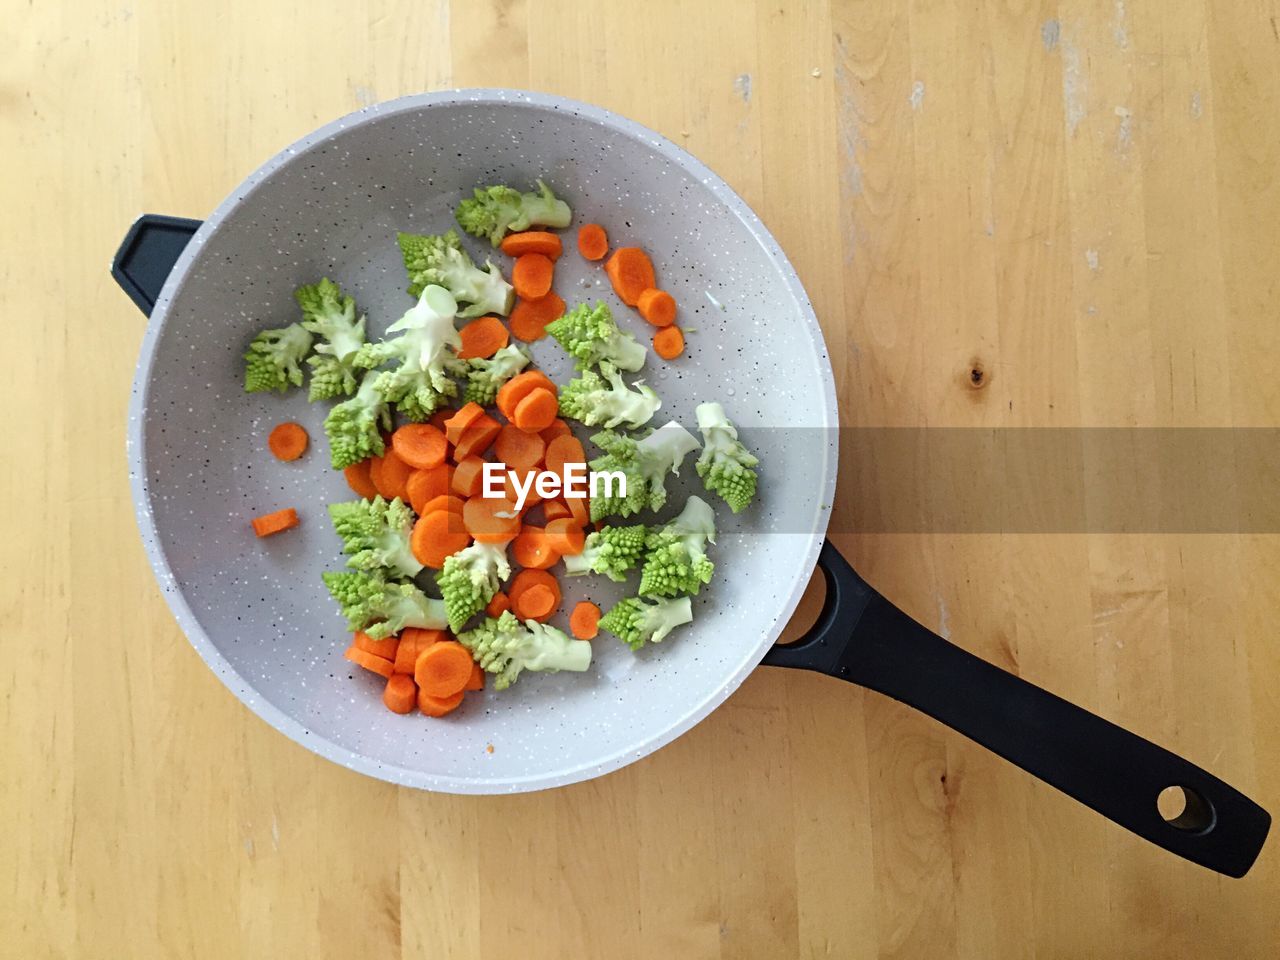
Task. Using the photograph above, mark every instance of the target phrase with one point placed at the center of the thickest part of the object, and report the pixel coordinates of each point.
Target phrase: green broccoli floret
(470, 578)
(726, 466)
(644, 464)
(635, 622)
(485, 376)
(379, 608)
(605, 401)
(376, 535)
(610, 550)
(274, 358)
(442, 261)
(590, 335)
(355, 426)
(426, 354)
(492, 211)
(677, 562)
(331, 315)
(506, 647)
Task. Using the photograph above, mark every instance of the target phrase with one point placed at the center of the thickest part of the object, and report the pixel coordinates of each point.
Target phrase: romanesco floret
(355, 425)
(605, 401)
(644, 463)
(442, 261)
(331, 315)
(485, 376)
(426, 352)
(380, 608)
(677, 561)
(635, 622)
(274, 359)
(590, 335)
(610, 550)
(470, 578)
(726, 467)
(376, 535)
(506, 647)
(492, 211)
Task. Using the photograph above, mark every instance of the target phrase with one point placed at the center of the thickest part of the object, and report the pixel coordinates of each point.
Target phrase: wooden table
(1081, 196)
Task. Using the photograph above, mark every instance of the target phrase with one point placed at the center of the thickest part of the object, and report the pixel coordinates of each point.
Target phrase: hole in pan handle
(863, 638)
(147, 255)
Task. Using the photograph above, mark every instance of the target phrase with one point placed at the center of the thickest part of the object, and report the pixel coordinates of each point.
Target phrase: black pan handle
(147, 255)
(863, 638)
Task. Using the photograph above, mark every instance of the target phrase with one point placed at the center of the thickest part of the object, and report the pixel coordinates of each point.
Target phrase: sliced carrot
(537, 411)
(358, 480)
(668, 343)
(375, 471)
(532, 275)
(499, 602)
(443, 502)
(525, 579)
(420, 445)
(386, 649)
(477, 679)
(536, 603)
(563, 450)
(631, 272)
(400, 694)
(566, 536)
(423, 486)
(557, 429)
(437, 535)
(363, 658)
(392, 476)
(482, 337)
(593, 242)
(477, 438)
(519, 449)
(455, 425)
(533, 549)
(555, 510)
(439, 418)
(658, 307)
(491, 520)
(468, 478)
(443, 669)
(584, 621)
(520, 386)
(288, 441)
(412, 642)
(438, 706)
(532, 241)
(580, 507)
(269, 523)
(531, 497)
(529, 319)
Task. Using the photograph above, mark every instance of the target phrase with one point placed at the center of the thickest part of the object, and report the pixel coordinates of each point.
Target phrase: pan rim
(238, 684)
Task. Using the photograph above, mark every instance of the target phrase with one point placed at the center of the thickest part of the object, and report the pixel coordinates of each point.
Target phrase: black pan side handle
(147, 255)
(863, 638)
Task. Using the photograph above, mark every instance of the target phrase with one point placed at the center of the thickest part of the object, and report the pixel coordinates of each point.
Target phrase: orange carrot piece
(566, 536)
(455, 425)
(386, 649)
(420, 445)
(584, 621)
(477, 679)
(400, 694)
(468, 477)
(564, 450)
(438, 706)
(491, 520)
(482, 337)
(668, 343)
(363, 658)
(631, 272)
(423, 486)
(555, 510)
(288, 441)
(536, 603)
(529, 318)
(527, 578)
(393, 474)
(443, 502)
(443, 669)
(358, 480)
(439, 418)
(580, 508)
(557, 429)
(519, 449)
(477, 438)
(269, 523)
(531, 498)
(375, 471)
(518, 387)
(437, 535)
(658, 307)
(537, 411)
(412, 642)
(532, 275)
(533, 549)
(532, 241)
(497, 605)
(593, 242)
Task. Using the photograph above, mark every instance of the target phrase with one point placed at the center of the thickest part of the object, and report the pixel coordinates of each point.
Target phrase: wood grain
(1079, 196)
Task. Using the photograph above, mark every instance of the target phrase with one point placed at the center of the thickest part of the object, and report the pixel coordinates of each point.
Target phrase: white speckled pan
(330, 205)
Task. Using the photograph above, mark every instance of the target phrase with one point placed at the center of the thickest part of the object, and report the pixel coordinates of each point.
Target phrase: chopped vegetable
(380, 608)
(605, 401)
(420, 445)
(390, 474)
(441, 261)
(372, 662)
(443, 669)
(288, 441)
(358, 480)
(631, 272)
(668, 343)
(612, 551)
(636, 622)
(532, 241)
(519, 449)
(565, 536)
(519, 387)
(529, 319)
(412, 642)
(271, 523)
(677, 561)
(484, 377)
(645, 463)
(498, 603)
(536, 411)
(584, 622)
(537, 603)
(477, 437)
(506, 648)
(438, 535)
(400, 694)
(593, 242)
(532, 276)
(726, 467)
(375, 536)
(470, 579)
(557, 429)
(424, 486)
(490, 520)
(468, 478)
(481, 338)
(331, 315)
(355, 426)
(532, 550)
(459, 422)
(590, 335)
(385, 648)
(493, 211)
(273, 360)
(658, 307)
(439, 706)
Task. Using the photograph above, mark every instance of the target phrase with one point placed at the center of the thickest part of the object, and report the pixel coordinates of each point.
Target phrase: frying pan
(256, 610)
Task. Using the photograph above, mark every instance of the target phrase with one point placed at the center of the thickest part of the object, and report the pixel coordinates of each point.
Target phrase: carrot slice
(363, 658)
(482, 337)
(532, 275)
(288, 441)
(443, 669)
(519, 449)
(593, 242)
(555, 510)
(386, 649)
(437, 535)
(375, 472)
(439, 418)
(400, 694)
(533, 549)
(477, 438)
(269, 523)
(584, 621)
(477, 679)
(455, 425)
(566, 536)
(358, 480)
(537, 411)
(525, 579)
(438, 706)
(491, 520)
(557, 429)
(563, 450)
(668, 343)
(423, 486)
(420, 445)
(520, 386)
(658, 307)
(536, 603)
(497, 605)
(412, 642)
(529, 319)
(532, 241)
(393, 474)
(468, 478)
(631, 272)
(531, 497)
(580, 507)
(443, 502)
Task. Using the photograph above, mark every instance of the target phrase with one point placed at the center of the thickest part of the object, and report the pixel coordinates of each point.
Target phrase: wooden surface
(1082, 196)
